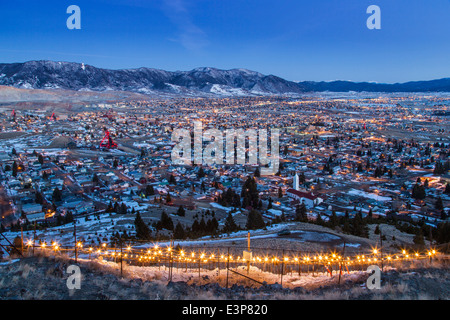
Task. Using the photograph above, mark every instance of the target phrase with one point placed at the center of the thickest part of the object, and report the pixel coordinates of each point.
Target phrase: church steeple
(296, 183)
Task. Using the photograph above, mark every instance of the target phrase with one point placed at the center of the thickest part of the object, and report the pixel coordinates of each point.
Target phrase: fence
(234, 259)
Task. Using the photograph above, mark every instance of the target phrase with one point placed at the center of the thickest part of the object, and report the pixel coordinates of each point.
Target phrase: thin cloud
(58, 53)
(189, 34)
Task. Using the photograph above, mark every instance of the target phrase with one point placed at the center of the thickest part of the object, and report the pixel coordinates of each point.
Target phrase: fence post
(218, 262)
(121, 258)
(228, 263)
(282, 268)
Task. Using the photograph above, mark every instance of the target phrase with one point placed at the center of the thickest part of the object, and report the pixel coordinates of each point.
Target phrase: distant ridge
(45, 74)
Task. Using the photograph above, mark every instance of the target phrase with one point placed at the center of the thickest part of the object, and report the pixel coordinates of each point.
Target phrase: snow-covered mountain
(235, 82)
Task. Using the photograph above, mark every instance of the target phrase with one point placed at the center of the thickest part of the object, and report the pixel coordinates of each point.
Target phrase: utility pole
(381, 250)
(431, 240)
(34, 236)
(248, 247)
(75, 235)
(170, 260)
(340, 267)
(21, 236)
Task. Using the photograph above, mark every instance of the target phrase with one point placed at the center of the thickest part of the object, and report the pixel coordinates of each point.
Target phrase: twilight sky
(294, 39)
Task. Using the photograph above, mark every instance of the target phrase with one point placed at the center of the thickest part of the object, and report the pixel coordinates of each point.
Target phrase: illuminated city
(131, 183)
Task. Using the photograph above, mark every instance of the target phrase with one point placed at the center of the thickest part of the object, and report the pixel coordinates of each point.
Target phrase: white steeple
(296, 182)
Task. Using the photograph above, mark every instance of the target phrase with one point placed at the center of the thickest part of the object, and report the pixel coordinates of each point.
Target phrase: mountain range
(45, 74)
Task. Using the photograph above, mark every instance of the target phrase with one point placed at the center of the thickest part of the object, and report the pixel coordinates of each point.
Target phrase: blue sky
(294, 39)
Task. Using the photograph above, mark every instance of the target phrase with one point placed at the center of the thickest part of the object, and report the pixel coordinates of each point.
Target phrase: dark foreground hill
(44, 278)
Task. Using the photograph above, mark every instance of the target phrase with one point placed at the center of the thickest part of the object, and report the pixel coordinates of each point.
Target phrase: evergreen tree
(447, 188)
(110, 208)
(202, 226)
(250, 193)
(255, 220)
(165, 222)
(59, 219)
(41, 159)
(269, 206)
(179, 232)
(149, 190)
(195, 228)
(214, 224)
(301, 213)
(302, 178)
(438, 168)
(443, 233)
(181, 212)
(14, 169)
(142, 230)
(229, 198)
(201, 173)
(68, 217)
(346, 228)
(418, 238)
(439, 205)
(230, 224)
(57, 195)
(38, 198)
(333, 221)
(418, 192)
(359, 227)
(319, 220)
(123, 208)
(377, 230)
